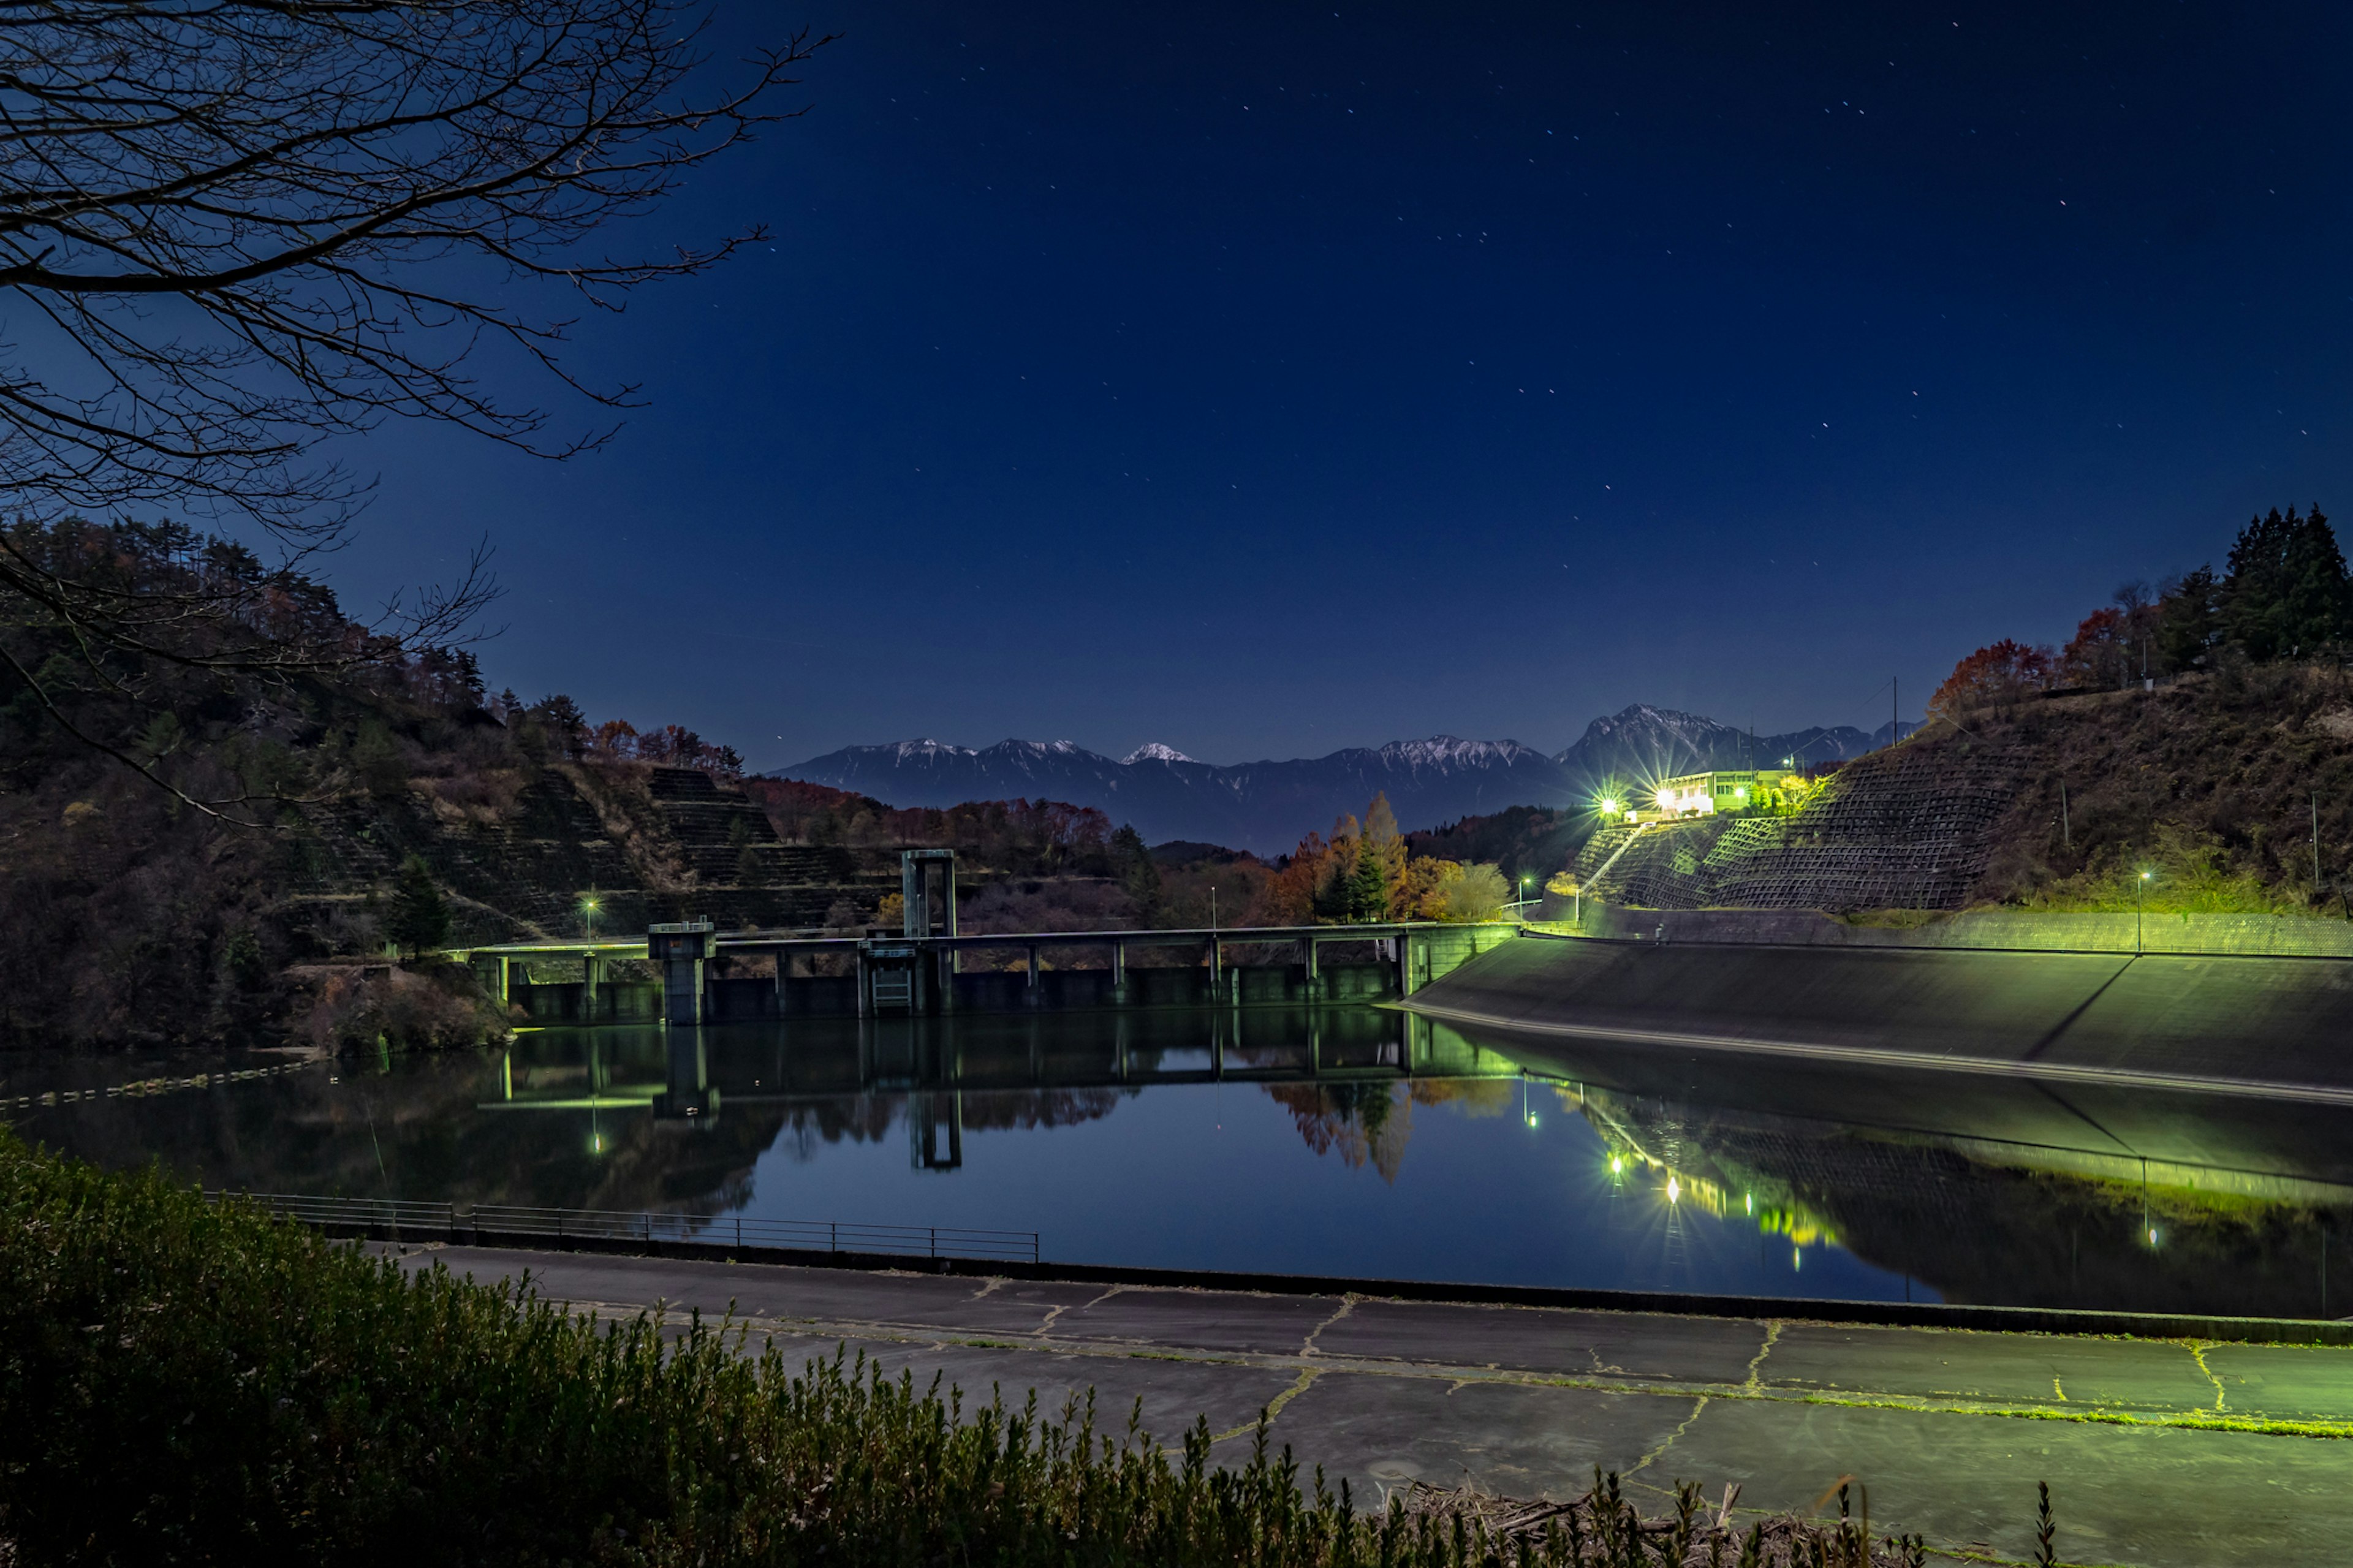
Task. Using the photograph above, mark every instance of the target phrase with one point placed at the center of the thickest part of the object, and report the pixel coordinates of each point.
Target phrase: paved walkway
(2158, 1452)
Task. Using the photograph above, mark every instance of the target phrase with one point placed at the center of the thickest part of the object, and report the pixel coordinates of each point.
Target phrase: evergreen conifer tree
(2287, 593)
(1139, 873)
(2189, 620)
(419, 918)
(1385, 844)
(1368, 888)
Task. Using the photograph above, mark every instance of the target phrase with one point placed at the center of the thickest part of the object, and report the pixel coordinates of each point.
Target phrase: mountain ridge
(1268, 806)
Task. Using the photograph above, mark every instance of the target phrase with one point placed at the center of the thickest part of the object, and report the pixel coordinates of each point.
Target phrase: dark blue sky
(1269, 379)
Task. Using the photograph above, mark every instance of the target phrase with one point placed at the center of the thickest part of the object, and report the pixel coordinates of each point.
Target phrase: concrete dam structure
(2271, 1027)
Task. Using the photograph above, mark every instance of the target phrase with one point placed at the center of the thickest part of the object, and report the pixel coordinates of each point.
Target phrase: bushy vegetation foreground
(188, 1383)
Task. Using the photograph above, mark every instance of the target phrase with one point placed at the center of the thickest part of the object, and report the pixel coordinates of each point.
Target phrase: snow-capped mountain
(1268, 806)
(1646, 742)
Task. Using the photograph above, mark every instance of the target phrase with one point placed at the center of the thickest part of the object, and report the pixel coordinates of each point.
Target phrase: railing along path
(399, 1215)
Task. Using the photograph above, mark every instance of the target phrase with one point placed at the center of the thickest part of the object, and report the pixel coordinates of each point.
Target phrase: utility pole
(2066, 833)
(1895, 711)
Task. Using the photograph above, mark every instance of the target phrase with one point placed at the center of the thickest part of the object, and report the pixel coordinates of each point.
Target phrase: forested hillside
(2191, 749)
(219, 828)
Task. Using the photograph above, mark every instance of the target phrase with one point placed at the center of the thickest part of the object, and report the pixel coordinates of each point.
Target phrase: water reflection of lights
(1782, 1215)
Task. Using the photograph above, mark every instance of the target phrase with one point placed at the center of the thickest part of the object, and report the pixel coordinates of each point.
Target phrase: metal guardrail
(609, 1224)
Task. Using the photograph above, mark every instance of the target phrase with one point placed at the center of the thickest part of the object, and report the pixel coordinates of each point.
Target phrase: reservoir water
(1352, 1141)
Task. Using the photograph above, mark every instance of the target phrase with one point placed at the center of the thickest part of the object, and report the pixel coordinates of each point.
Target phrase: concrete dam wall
(2267, 1025)
(2174, 934)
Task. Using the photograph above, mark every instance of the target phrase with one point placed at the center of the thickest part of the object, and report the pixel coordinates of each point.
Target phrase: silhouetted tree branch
(240, 228)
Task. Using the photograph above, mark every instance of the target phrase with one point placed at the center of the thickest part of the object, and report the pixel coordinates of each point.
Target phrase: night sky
(1264, 380)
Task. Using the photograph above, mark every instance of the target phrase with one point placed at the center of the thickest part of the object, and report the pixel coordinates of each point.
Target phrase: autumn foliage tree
(2288, 594)
(1365, 873)
(1999, 672)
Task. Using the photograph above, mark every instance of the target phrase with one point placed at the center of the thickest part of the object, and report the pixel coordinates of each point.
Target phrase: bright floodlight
(1609, 806)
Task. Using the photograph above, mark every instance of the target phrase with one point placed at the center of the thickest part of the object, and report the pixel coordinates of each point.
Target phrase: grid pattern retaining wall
(1905, 828)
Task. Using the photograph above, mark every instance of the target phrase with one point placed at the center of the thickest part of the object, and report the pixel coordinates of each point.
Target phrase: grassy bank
(185, 1382)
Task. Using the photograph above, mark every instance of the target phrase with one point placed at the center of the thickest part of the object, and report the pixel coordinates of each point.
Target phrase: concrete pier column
(1119, 974)
(506, 981)
(1216, 962)
(680, 949)
(947, 974)
(784, 981)
(592, 973)
(1035, 991)
(865, 986)
(683, 992)
(1405, 963)
(1314, 980)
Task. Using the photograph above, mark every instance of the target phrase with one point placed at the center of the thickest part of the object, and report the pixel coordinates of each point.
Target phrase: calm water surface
(1352, 1141)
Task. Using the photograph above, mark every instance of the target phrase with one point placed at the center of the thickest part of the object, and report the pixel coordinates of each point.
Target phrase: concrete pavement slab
(1174, 1394)
(1547, 1340)
(1201, 1319)
(2121, 1494)
(1385, 1392)
(1513, 1439)
(1950, 1364)
(762, 1290)
(2293, 1383)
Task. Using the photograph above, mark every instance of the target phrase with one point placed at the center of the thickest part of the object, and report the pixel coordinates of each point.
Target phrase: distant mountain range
(1268, 806)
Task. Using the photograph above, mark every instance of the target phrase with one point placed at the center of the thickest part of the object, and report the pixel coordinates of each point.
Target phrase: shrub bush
(186, 1382)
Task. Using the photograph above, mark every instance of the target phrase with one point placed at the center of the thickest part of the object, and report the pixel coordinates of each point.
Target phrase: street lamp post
(2140, 903)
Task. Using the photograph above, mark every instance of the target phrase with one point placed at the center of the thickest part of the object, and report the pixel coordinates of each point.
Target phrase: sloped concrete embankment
(2024, 929)
(2264, 1026)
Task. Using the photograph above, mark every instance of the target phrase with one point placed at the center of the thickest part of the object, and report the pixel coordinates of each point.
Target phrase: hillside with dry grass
(2217, 784)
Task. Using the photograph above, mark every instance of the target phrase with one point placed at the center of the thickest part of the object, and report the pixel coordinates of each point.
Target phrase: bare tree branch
(245, 228)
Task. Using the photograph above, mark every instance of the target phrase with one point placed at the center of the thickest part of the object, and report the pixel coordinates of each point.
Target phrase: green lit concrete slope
(2244, 1025)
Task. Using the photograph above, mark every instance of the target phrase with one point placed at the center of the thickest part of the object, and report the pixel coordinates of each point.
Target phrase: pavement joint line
(1347, 1305)
(1307, 1375)
(2198, 1354)
(1698, 1408)
(1772, 1337)
(2095, 1415)
(1878, 1055)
